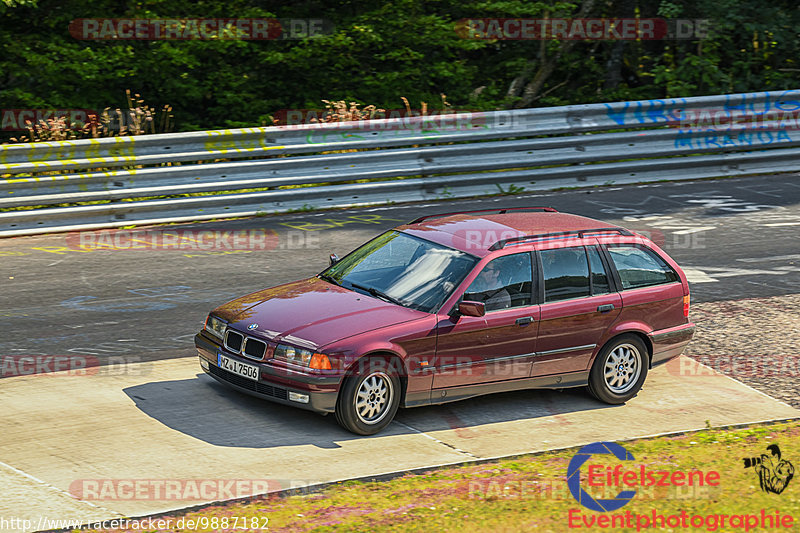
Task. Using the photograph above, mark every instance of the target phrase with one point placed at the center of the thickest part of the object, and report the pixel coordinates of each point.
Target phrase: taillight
(686, 306)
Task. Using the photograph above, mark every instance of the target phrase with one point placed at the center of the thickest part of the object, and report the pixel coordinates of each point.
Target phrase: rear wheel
(368, 400)
(619, 371)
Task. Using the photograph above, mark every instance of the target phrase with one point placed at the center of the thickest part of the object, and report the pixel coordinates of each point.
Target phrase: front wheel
(369, 400)
(619, 370)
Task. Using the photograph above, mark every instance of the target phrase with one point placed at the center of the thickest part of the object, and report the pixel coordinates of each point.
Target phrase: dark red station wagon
(453, 306)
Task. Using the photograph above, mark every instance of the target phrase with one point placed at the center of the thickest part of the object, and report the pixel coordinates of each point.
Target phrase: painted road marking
(694, 275)
(679, 227)
(791, 257)
(710, 274)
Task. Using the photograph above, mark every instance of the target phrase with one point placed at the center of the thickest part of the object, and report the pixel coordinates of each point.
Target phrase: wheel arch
(599, 385)
(646, 340)
(393, 360)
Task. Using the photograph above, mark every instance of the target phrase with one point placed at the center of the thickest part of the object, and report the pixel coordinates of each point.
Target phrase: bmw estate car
(453, 306)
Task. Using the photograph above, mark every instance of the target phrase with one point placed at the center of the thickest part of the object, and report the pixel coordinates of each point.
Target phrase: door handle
(524, 320)
(605, 308)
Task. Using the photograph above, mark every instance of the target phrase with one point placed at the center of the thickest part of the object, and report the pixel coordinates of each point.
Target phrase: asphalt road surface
(122, 297)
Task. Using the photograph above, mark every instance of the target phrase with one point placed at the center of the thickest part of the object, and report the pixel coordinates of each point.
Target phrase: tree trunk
(534, 87)
(627, 9)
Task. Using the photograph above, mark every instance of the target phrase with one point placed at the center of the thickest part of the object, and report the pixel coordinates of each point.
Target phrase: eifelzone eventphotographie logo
(774, 472)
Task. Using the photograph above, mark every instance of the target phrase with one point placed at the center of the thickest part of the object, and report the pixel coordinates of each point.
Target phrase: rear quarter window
(640, 267)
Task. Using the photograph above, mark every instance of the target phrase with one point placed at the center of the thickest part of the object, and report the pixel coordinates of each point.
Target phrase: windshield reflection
(408, 270)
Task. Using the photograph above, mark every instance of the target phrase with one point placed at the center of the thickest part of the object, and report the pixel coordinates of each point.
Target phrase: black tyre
(368, 400)
(620, 369)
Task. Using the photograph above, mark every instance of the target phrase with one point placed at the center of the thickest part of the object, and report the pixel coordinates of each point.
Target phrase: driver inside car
(490, 287)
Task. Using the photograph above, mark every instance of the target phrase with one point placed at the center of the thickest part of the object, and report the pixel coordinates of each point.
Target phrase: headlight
(302, 357)
(294, 355)
(215, 326)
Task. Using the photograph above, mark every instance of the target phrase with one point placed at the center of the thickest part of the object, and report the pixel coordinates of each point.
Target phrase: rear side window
(599, 278)
(566, 273)
(640, 267)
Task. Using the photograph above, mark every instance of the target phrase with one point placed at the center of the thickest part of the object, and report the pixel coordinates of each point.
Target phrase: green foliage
(6, 4)
(379, 52)
(512, 189)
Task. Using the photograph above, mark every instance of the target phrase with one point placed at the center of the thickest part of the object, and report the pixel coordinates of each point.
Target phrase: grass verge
(530, 492)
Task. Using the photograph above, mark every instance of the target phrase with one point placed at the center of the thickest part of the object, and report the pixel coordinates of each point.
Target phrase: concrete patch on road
(30, 504)
(679, 396)
(138, 444)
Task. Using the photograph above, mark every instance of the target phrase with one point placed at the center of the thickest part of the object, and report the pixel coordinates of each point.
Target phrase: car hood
(311, 313)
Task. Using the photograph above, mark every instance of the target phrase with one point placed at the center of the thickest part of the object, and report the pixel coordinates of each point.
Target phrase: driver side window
(503, 283)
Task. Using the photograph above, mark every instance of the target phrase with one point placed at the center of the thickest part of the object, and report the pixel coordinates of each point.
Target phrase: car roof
(476, 233)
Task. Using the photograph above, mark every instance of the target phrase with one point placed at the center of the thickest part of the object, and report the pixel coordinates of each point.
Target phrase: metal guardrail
(134, 180)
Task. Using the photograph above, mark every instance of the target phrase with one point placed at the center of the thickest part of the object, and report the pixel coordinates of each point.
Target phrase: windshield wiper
(329, 279)
(375, 292)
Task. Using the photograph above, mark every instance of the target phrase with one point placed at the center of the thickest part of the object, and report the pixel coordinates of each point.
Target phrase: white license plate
(237, 367)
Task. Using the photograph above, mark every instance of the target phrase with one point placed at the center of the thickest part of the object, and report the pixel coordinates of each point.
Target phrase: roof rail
(580, 233)
(499, 212)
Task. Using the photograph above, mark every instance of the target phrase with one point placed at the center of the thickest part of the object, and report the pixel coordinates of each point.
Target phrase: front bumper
(273, 384)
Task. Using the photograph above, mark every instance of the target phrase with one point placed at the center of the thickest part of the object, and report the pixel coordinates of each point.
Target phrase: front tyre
(369, 400)
(619, 370)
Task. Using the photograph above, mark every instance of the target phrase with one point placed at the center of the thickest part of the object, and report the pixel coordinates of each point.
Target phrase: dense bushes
(377, 54)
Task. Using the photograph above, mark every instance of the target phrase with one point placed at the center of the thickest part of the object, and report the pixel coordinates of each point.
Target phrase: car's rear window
(640, 267)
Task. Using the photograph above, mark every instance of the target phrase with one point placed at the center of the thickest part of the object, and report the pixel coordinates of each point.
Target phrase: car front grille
(254, 348)
(249, 384)
(246, 346)
(233, 341)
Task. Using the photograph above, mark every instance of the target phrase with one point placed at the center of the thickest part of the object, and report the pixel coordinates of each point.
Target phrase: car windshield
(406, 270)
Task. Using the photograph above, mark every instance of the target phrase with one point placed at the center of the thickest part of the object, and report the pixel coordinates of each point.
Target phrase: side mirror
(468, 308)
(334, 259)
